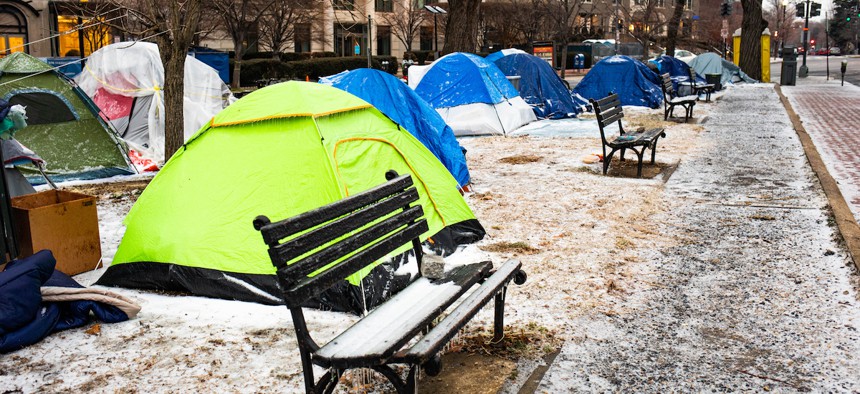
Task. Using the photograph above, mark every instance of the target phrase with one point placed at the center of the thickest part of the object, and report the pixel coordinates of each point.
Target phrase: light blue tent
(402, 105)
(473, 96)
(539, 85)
(711, 63)
(631, 79)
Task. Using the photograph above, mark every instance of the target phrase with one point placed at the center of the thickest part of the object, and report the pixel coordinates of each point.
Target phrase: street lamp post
(435, 10)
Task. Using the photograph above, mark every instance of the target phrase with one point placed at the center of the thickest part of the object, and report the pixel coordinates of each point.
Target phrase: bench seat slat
(308, 287)
(436, 339)
(390, 326)
(274, 232)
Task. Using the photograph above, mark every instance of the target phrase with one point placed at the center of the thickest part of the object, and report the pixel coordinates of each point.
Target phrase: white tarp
(117, 74)
(486, 119)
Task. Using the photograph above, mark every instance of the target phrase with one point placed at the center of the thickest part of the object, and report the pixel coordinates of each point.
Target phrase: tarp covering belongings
(126, 80)
(36, 300)
(473, 96)
(539, 85)
(63, 125)
(279, 151)
(631, 79)
(711, 63)
(400, 103)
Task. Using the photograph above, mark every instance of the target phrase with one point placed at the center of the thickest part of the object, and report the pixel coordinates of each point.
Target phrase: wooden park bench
(345, 236)
(670, 100)
(608, 111)
(699, 88)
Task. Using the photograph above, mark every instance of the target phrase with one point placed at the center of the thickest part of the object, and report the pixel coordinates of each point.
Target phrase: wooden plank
(608, 121)
(347, 246)
(608, 99)
(307, 287)
(377, 336)
(274, 232)
(433, 342)
(298, 246)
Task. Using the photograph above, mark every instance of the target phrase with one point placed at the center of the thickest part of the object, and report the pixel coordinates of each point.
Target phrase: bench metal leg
(606, 160)
(654, 150)
(499, 321)
(402, 387)
(623, 150)
(639, 170)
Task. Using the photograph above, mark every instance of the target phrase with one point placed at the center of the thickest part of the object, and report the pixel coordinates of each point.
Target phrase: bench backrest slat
(273, 233)
(303, 267)
(308, 287)
(608, 110)
(288, 251)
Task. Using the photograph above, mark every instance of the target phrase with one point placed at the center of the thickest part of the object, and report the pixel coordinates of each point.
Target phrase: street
(818, 67)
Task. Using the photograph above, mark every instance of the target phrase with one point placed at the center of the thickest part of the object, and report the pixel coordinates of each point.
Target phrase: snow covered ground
(603, 253)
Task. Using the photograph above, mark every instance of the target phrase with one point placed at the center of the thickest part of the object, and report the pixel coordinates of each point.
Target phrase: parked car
(684, 55)
(822, 52)
(835, 51)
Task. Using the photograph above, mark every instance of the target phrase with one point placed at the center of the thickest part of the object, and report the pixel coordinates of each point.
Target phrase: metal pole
(827, 44)
(369, 41)
(804, 71)
(435, 36)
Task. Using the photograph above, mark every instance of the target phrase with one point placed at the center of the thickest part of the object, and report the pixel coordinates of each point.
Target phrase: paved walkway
(756, 294)
(831, 115)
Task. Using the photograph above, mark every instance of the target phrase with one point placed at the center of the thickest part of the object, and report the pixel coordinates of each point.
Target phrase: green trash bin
(715, 79)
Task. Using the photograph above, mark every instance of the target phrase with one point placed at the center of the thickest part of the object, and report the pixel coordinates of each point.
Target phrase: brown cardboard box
(64, 222)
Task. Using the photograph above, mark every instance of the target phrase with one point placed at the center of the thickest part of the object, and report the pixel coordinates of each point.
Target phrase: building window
(688, 5)
(383, 40)
(384, 5)
(586, 1)
(426, 37)
(661, 3)
(639, 2)
(94, 37)
(344, 4)
(302, 37)
(13, 31)
(350, 40)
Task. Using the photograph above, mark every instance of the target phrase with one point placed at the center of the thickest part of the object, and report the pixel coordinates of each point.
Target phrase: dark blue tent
(401, 104)
(216, 59)
(539, 85)
(678, 70)
(631, 79)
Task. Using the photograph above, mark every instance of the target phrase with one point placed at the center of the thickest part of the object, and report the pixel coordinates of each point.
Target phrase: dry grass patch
(521, 159)
(510, 247)
(529, 341)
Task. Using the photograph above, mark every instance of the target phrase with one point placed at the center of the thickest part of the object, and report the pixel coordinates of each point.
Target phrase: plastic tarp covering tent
(280, 151)
(116, 75)
(402, 105)
(539, 85)
(711, 63)
(631, 79)
(504, 52)
(473, 96)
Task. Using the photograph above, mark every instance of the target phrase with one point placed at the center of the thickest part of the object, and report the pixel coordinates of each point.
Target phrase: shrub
(295, 56)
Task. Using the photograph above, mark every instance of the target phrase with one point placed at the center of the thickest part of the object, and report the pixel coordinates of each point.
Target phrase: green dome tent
(280, 151)
(63, 124)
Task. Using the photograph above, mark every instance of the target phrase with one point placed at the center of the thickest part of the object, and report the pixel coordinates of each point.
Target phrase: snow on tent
(64, 126)
(631, 79)
(126, 80)
(279, 151)
(504, 52)
(539, 85)
(400, 103)
(472, 95)
(711, 63)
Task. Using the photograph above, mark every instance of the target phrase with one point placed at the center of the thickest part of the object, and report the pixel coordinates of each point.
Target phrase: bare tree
(498, 24)
(278, 25)
(674, 23)
(647, 20)
(405, 19)
(461, 31)
(751, 28)
(240, 19)
(561, 17)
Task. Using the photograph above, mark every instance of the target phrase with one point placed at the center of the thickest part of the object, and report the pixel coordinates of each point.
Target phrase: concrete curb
(845, 221)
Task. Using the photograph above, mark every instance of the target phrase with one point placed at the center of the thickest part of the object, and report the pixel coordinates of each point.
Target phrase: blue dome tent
(402, 105)
(473, 96)
(631, 79)
(539, 85)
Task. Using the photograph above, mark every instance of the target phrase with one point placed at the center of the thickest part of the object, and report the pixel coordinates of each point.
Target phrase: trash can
(788, 72)
(715, 79)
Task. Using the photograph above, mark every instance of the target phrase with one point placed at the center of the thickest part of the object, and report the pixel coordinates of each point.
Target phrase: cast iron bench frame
(670, 100)
(698, 87)
(608, 111)
(346, 236)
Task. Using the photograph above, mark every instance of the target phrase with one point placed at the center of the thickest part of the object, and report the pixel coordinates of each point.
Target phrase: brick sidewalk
(831, 115)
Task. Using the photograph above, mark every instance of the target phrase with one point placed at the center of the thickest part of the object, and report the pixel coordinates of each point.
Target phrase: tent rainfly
(631, 79)
(711, 63)
(539, 85)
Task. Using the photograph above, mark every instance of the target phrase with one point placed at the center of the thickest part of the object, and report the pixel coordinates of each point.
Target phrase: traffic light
(725, 9)
(816, 9)
(801, 9)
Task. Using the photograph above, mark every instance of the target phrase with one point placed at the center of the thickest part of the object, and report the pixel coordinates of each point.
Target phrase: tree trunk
(751, 28)
(674, 23)
(461, 31)
(239, 50)
(174, 91)
(564, 57)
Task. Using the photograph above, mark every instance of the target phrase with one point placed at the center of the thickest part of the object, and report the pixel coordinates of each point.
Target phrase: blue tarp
(631, 79)
(504, 52)
(401, 104)
(216, 59)
(69, 66)
(25, 319)
(539, 85)
(463, 78)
